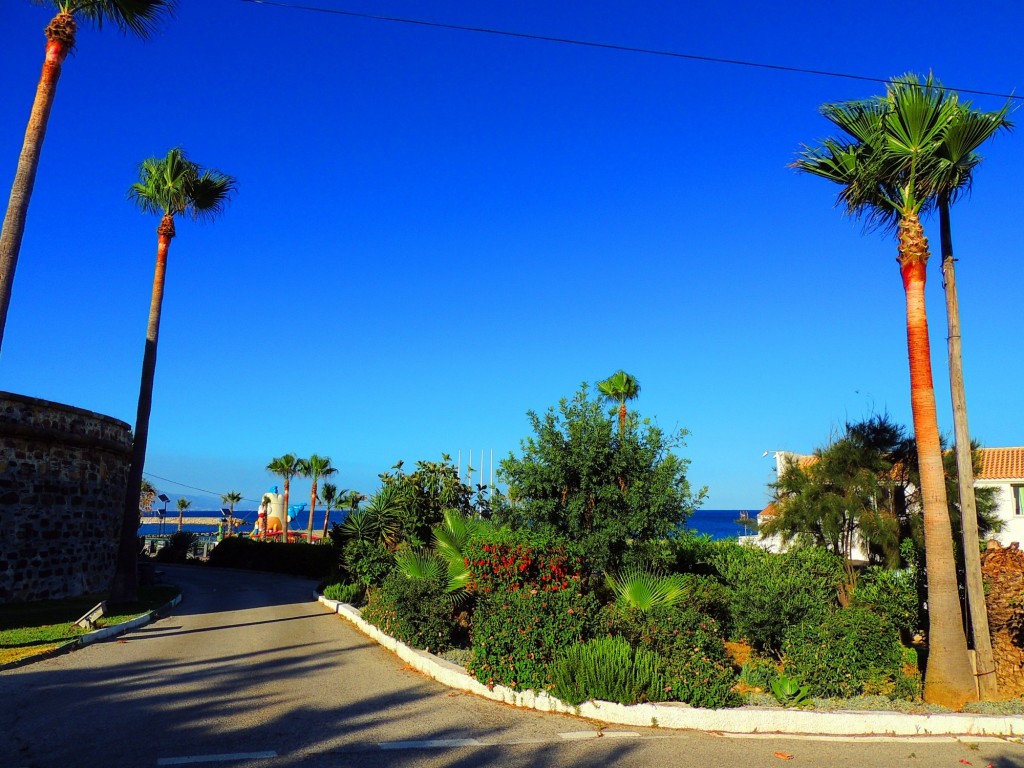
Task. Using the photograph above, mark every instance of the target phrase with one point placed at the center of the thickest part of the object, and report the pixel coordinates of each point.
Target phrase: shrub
(414, 611)
(516, 634)
(179, 546)
(367, 562)
(697, 669)
(770, 592)
(608, 669)
(759, 672)
(504, 560)
(892, 594)
(707, 595)
(314, 561)
(345, 593)
(849, 652)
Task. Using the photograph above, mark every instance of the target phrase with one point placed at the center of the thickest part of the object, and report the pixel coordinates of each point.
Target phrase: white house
(1001, 468)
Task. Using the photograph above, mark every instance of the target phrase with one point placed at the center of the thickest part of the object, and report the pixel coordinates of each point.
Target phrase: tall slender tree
(168, 186)
(620, 388)
(231, 498)
(183, 504)
(314, 468)
(286, 467)
(957, 158)
(137, 17)
(883, 164)
(331, 497)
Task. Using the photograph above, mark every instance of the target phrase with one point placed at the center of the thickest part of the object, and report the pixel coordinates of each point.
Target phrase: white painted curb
(119, 629)
(740, 720)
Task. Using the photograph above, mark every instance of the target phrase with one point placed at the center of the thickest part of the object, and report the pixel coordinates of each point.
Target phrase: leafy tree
(231, 498)
(885, 166)
(140, 18)
(314, 468)
(168, 186)
(183, 504)
(286, 467)
(147, 495)
(425, 494)
(620, 388)
(331, 497)
(569, 480)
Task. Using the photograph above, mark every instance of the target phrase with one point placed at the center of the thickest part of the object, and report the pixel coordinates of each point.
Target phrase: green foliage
(891, 594)
(506, 560)
(516, 634)
(179, 547)
(771, 592)
(697, 669)
(599, 486)
(846, 653)
(345, 593)
(313, 561)
(425, 494)
(414, 611)
(789, 692)
(608, 669)
(636, 588)
(759, 672)
(367, 562)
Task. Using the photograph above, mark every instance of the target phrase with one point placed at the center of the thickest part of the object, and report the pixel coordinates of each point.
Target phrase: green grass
(34, 629)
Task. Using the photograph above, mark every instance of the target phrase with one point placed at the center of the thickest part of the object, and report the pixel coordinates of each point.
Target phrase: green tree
(138, 17)
(426, 493)
(331, 497)
(183, 504)
(884, 164)
(170, 186)
(286, 467)
(231, 498)
(620, 388)
(568, 480)
(314, 468)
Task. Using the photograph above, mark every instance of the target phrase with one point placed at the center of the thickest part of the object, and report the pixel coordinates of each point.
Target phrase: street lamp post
(163, 513)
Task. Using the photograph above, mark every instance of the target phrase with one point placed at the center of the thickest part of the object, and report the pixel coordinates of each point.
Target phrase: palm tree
(883, 164)
(957, 155)
(314, 468)
(231, 498)
(138, 17)
(183, 504)
(169, 186)
(620, 388)
(330, 496)
(287, 467)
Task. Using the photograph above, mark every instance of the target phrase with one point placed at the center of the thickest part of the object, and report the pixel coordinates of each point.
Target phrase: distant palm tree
(286, 467)
(620, 388)
(353, 500)
(168, 187)
(314, 468)
(231, 498)
(183, 504)
(330, 496)
(139, 17)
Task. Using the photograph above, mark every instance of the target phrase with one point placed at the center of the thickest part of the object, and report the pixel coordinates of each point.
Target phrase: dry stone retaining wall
(63, 472)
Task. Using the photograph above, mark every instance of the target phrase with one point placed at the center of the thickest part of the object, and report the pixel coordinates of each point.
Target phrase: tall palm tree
(140, 18)
(330, 496)
(883, 164)
(169, 186)
(958, 157)
(183, 504)
(314, 468)
(286, 467)
(231, 498)
(620, 388)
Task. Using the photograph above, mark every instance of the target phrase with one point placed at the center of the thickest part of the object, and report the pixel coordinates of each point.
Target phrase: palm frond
(643, 590)
(138, 17)
(419, 565)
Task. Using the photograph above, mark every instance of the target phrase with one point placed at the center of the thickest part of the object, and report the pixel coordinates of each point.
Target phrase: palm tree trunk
(126, 582)
(622, 418)
(987, 685)
(312, 507)
(949, 680)
(25, 176)
(327, 517)
(284, 521)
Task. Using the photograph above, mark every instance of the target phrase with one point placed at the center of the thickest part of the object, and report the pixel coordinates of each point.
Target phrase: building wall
(63, 472)
(1013, 524)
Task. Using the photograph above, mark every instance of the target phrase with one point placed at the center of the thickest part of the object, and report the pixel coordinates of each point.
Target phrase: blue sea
(717, 523)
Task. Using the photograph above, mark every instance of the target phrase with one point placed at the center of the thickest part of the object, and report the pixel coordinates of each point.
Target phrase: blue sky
(436, 231)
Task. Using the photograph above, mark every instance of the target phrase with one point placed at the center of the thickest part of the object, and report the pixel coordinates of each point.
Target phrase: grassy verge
(34, 629)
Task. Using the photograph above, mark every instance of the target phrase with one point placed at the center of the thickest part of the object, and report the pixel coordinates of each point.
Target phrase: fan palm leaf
(640, 589)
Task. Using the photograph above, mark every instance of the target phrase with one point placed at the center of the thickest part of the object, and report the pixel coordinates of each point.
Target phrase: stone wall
(63, 472)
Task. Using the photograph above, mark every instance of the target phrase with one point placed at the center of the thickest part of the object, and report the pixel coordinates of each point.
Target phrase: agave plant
(637, 588)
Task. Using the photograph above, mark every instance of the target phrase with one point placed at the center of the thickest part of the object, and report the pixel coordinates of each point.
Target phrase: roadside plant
(608, 669)
(415, 611)
(345, 593)
(789, 692)
(636, 588)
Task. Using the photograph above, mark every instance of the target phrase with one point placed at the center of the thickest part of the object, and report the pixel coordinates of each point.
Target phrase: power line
(190, 487)
(605, 46)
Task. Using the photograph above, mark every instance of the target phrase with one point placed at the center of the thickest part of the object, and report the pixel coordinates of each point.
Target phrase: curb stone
(95, 636)
(677, 715)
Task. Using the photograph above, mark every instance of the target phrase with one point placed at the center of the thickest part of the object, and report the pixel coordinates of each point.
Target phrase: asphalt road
(250, 671)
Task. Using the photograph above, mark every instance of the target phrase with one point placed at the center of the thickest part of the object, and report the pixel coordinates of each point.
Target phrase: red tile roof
(1001, 463)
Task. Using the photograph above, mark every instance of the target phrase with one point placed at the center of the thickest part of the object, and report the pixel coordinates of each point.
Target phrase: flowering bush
(506, 561)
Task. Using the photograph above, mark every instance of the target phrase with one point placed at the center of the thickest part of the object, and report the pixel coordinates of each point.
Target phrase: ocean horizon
(716, 523)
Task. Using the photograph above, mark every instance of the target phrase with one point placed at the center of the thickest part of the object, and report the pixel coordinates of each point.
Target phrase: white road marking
(579, 735)
(430, 744)
(214, 758)
(583, 735)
